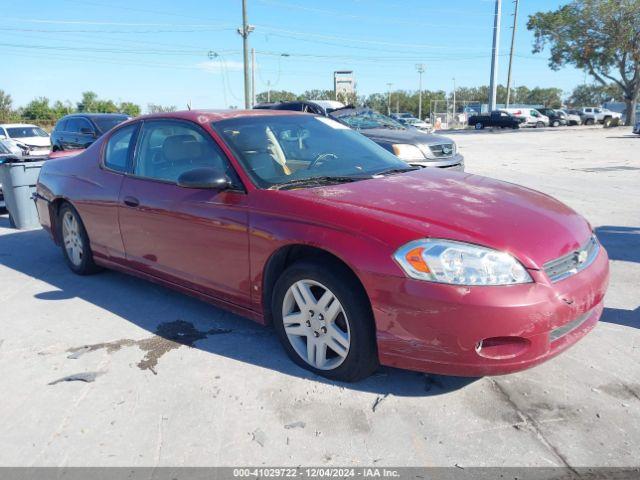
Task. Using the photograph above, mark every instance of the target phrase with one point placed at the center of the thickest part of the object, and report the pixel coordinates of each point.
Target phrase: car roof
(17, 125)
(95, 115)
(208, 116)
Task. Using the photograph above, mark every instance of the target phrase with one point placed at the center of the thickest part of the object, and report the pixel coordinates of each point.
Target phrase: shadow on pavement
(621, 243)
(182, 320)
(619, 316)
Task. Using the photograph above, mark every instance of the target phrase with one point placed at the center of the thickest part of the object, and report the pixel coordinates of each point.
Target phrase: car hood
(532, 226)
(34, 141)
(411, 136)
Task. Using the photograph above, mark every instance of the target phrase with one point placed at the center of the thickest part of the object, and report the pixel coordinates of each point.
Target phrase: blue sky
(156, 51)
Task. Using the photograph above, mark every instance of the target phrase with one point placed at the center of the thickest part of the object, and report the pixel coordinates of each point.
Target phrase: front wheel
(539, 124)
(607, 122)
(324, 321)
(555, 123)
(479, 126)
(75, 242)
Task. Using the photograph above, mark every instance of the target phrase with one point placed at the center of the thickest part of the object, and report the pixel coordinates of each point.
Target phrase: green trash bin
(18, 181)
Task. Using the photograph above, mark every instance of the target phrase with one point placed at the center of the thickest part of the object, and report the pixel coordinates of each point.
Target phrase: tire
(607, 122)
(479, 126)
(516, 126)
(589, 121)
(75, 242)
(351, 332)
(539, 124)
(555, 123)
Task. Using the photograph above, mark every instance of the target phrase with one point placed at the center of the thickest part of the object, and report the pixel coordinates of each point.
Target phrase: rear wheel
(589, 121)
(75, 242)
(324, 321)
(555, 123)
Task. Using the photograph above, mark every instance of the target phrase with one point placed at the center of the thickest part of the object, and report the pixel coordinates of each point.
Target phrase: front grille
(574, 262)
(568, 327)
(442, 150)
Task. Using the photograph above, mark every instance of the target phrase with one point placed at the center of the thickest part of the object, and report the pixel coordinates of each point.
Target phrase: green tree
(6, 106)
(316, 94)
(276, 96)
(599, 36)
(129, 108)
(594, 94)
(105, 106)
(38, 109)
(60, 109)
(155, 108)
(89, 102)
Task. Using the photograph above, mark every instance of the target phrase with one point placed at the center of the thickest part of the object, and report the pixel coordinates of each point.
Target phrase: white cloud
(216, 66)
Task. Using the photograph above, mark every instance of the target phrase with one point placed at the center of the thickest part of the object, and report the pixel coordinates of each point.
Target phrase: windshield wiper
(317, 181)
(391, 171)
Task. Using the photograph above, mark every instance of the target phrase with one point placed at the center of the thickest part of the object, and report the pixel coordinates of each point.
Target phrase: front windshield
(276, 150)
(25, 132)
(107, 123)
(368, 119)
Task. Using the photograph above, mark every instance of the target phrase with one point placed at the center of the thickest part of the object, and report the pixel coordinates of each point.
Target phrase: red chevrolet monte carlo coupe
(355, 257)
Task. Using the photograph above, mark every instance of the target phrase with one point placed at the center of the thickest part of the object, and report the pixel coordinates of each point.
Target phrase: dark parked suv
(82, 129)
(555, 117)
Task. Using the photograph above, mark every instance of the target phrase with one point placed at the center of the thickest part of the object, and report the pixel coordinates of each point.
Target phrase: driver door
(196, 238)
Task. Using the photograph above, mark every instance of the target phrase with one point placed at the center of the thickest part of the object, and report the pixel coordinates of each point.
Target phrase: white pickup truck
(593, 115)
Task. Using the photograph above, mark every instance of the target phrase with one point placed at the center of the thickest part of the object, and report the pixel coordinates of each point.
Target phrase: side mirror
(204, 178)
(87, 131)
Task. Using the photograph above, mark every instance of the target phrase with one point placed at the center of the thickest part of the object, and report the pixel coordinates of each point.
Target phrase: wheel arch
(287, 255)
(54, 214)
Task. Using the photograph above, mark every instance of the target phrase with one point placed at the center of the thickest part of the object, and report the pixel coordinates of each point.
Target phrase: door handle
(131, 201)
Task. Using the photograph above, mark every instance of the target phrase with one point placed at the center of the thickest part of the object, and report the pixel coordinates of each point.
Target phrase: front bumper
(455, 162)
(477, 331)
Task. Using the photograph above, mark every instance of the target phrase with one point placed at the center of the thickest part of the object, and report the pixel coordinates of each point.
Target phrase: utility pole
(268, 91)
(513, 38)
(244, 33)
(420, 68)
(389, 98)
(253, 77)
(494, 57)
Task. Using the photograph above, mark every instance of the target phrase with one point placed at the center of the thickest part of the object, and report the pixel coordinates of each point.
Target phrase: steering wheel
(320, 159)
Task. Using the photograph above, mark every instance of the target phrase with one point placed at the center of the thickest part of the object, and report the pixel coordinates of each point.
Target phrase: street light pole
(253, 77)
(244, 33)
(494, 57)
(420, 68)
(389, 98)
(513, 38)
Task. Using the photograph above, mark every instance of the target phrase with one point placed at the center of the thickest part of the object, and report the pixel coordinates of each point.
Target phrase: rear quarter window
(118, 148)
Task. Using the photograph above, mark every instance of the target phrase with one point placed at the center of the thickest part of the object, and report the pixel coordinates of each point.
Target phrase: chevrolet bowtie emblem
(581, 256)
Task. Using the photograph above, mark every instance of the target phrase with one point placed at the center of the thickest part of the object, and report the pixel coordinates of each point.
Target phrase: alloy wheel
(316, 324)
(72, 240)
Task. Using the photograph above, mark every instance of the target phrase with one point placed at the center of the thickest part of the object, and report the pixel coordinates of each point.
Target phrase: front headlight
(457, 263)
(407, 152)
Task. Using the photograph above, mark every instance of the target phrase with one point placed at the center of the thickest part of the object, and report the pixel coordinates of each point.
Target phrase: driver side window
(169, 148)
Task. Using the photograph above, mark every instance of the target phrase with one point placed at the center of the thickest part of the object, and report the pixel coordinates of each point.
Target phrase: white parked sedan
(25, 139)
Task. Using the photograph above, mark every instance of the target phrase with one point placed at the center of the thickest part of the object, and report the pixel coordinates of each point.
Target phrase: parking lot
(110, 370)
